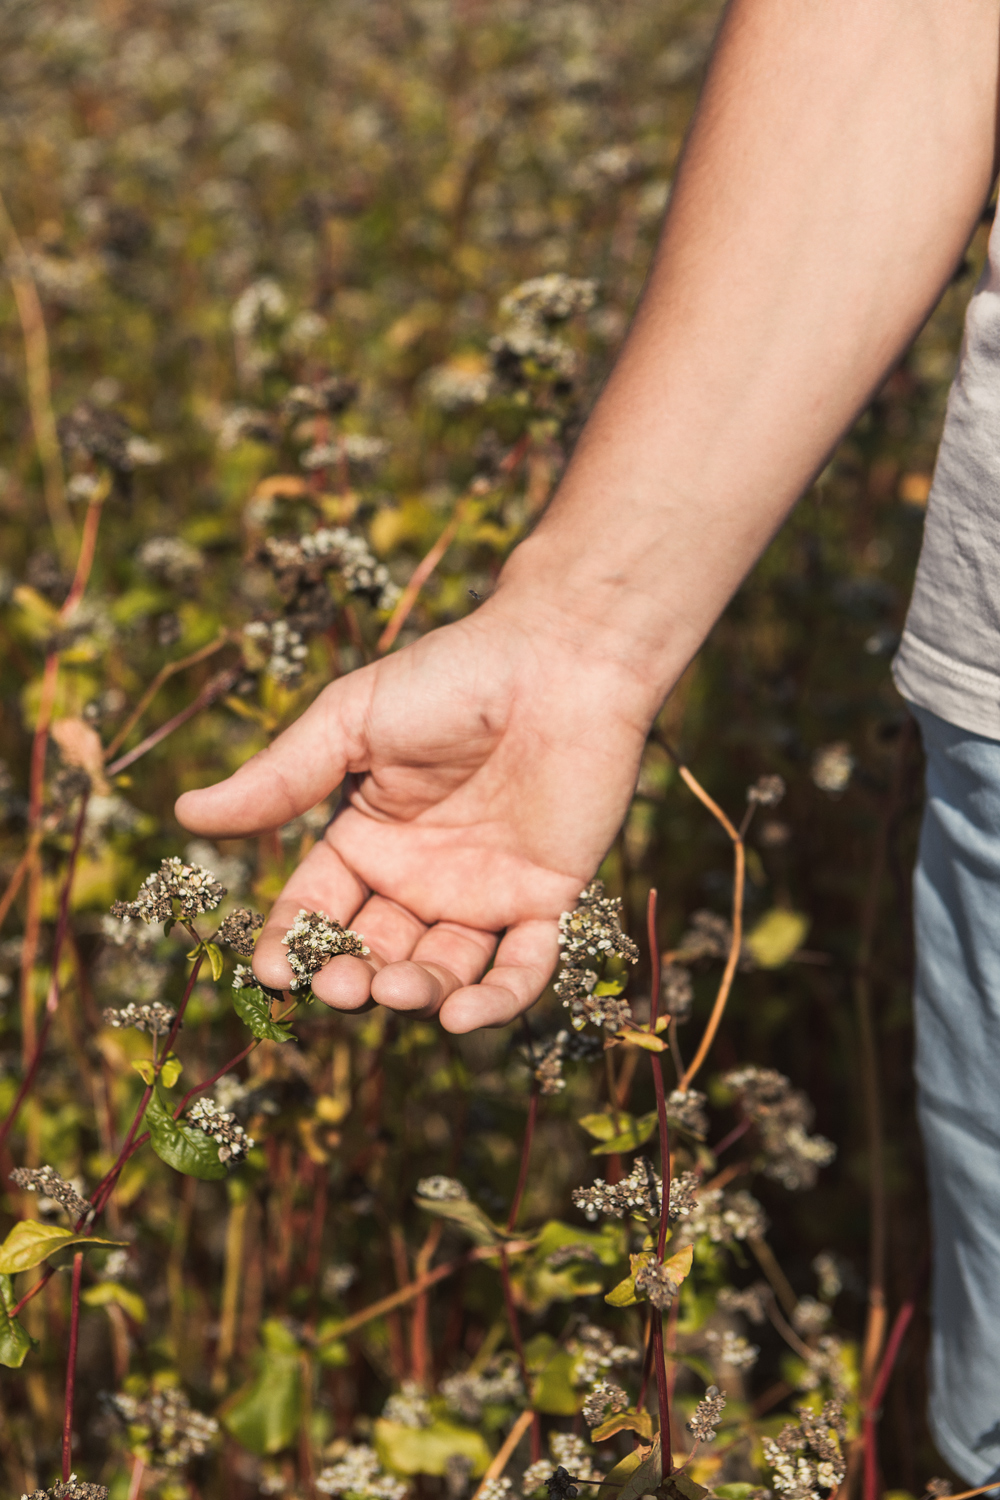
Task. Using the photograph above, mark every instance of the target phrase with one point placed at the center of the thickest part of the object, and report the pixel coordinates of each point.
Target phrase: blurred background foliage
(222, 205)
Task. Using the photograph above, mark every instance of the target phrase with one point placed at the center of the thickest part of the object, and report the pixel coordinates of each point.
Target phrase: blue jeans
(957, 1005)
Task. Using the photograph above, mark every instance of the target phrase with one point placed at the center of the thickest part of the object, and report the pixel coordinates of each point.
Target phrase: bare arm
(839, 158)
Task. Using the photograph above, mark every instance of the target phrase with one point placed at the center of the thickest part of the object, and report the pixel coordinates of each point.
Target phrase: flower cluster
(192, 887)
(709, 936)
(548, 1055)
(686, 1109)
(588, 936)
(595, 1351)
(73, 1489)
(732, 1349)
(810, 1316)
(312, 940)
(752, 1300)
(171, 559)
(359, 1473)
(722, 1217)
(707, 1415)
(440, 1189)
(48, 1182)
(637, 1194)
(767, 791)
(571, 1453)
(499, 1384)
(807, 1457)
(228, 1134)
(170, 1430)
(782, 1116)
(832, 768)
(238, 929)
(496, 1489)
(827, 1365)
(676, 992)
(654, 1281)
(275, 648)
(605, 1397)
(153, 1017)
(408, 1406)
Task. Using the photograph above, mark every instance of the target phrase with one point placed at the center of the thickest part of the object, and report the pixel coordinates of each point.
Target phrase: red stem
(74, 1330)
(662, 1392)
(734, 1135)
(219, 684)
(529, 1133)
(871, 1417)
(52, 1001)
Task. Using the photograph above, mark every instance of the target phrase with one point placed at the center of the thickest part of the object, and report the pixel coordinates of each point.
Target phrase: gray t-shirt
(949, 657)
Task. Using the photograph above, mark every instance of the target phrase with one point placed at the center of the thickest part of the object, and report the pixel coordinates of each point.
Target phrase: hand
(485, 771)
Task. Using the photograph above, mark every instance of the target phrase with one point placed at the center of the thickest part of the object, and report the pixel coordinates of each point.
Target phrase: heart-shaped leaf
(624, 1421)
(171, 1071)
(635, 1134)
(254, 1008)
(183, 1147)
(29, 1243)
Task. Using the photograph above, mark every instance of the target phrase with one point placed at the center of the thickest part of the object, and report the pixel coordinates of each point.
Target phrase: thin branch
(418, 578)
(506, 1451)
(415, 1288)
(36, 356)
(74, 1333)
(736, 943)
(219, 685)
(162, 676)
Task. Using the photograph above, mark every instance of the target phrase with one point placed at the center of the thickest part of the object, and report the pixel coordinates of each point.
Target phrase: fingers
(390, 931)
(446, 958)
(525, 959)
(301, 767)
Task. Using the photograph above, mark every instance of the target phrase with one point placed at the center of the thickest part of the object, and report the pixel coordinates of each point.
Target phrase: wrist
(598, 616)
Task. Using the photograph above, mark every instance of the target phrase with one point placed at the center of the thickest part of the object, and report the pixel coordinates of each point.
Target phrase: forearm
(838, 161)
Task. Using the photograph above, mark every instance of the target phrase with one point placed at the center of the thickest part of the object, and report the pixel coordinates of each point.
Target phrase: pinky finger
(525, 959)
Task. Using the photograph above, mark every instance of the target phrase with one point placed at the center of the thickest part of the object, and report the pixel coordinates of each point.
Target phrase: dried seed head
(192, 887)
(637, 1195)
(589, 936)
(176, 1432)
(767, 791)
(655, 1281)
(706, 1415)
(238, 929)
(154, 1017)
(228, 1134)
(605, 1397)
(313, 940)
(73, 1489)
(358, 1472)
(48, 1182)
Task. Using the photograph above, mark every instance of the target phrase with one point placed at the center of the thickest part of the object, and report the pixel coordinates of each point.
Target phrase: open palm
(484, 776)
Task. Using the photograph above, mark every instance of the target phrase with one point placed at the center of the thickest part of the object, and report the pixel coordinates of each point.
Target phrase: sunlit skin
(816, 217)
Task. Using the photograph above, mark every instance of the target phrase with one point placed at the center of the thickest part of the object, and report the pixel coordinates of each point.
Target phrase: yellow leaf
(777, 935)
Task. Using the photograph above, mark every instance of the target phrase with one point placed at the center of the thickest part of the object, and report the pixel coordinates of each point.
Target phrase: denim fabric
(957, 1004)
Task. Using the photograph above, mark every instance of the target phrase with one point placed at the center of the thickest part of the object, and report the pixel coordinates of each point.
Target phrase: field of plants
(304, 304)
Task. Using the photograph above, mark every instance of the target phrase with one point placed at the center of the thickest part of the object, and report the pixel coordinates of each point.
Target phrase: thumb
(301, 767)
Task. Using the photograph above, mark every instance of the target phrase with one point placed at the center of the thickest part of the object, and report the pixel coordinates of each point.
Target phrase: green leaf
(264, 1416)
(538, 1283)
(215, 959)
(624, 1421)
(681, 1486)
(639, 1479)
(146, 1070)
(553, 1391)
(465, 1215)
(776, 937)
(634, 1135)
(183, 1147)
(609, 987)
(14, 1342)
(254, 1008)
(29, 1243)
(624, 1294)
(620, 1475)
(634, 1037)
(426, 1450)
(171, 1071)
(737, 1491)
(112, 1292)
(602, 1126)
